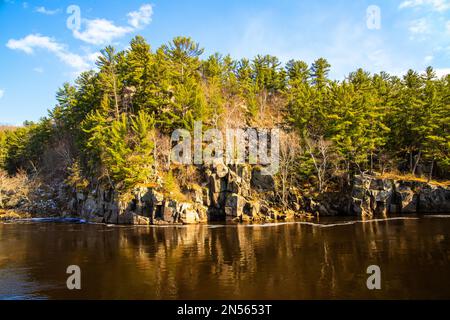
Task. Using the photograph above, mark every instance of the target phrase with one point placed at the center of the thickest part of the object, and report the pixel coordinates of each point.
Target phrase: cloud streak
(48, 12)
(31, 42)
(100, 31)
(96, 32)
(434, 5)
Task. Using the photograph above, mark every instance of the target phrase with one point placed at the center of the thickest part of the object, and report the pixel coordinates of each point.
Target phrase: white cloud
(100, 31)
(32, 41)
(25, 5)
(435, 5)
(48, 12)
(103, 31)
(2, 92)
(38, 70)
(447, 27)
(141, 17)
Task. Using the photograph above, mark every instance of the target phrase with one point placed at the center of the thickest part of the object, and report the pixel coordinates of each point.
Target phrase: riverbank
(225, 193)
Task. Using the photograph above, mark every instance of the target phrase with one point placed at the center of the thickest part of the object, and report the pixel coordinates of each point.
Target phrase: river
(326, 260)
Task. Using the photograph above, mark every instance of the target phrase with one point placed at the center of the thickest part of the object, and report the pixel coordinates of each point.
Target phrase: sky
(46, 43)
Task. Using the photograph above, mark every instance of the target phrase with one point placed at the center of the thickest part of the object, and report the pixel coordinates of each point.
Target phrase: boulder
(169, 212)
(380, 184)
(125, 218)
(189, 216)
(214, 183)
(205, 197)
(234, 183)
(197, 194)
(432, 199)
(234, 206)
(362, 181)
(252, 208)
(89, 207)
(408, 200)
(262, 182)
(220, 168)
(202, 212)
(360, 207)
(265, 210)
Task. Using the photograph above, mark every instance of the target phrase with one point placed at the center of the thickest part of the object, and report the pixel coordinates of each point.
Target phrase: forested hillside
(113, 125)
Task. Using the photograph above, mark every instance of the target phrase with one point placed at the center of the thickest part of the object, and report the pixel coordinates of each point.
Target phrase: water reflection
(287, 261)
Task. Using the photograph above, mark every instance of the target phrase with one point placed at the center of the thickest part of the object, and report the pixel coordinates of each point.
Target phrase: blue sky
(38, 51)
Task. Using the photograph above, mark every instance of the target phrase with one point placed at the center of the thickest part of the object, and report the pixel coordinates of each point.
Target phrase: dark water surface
(284, 261)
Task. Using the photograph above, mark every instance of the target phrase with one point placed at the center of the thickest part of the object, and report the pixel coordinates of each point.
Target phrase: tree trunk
(411, 161)
(431, 170)
(416, 163)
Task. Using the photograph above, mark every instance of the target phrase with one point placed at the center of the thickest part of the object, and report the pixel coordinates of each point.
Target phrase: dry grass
(411, 177)
(18, 192)
(14, 189)
(271, 115)
(6, 215)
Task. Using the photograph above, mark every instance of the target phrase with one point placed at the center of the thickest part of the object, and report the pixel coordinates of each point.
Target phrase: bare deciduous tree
(320, 151)
(289, 150)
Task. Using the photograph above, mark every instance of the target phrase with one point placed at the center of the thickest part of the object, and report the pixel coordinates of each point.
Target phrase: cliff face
(242, 193)
(373, 196)
(226, 193)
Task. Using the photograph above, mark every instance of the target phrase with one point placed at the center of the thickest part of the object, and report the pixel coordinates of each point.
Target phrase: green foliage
(122, 148)
(369, 118)
(107, 118)
(4, 132)
(23, 147)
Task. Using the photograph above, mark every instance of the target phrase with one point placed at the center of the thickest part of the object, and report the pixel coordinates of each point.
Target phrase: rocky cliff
(374, 196)
(242, 193)
(229, 193)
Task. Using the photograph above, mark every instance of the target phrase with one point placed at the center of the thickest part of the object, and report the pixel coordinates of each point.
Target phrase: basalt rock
(244, 193)
(234, 206)
(261, 181)
(434, 199)
(372, 196)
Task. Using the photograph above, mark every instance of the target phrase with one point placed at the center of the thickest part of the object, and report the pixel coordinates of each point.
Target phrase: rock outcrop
(229, 193)
(373, 196)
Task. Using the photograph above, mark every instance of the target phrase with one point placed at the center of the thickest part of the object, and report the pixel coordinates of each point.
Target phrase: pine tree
(108, 75)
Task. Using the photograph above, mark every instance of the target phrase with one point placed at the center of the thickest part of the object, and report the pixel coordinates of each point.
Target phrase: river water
(326, 260)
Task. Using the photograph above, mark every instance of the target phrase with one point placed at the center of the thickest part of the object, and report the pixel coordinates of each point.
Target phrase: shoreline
(313, 222)
(224, 200)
